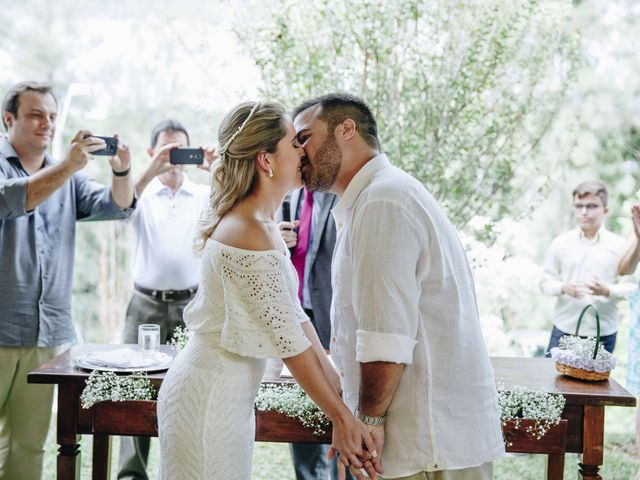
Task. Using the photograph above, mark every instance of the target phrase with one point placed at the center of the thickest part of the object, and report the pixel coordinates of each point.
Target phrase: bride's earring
(270, 173)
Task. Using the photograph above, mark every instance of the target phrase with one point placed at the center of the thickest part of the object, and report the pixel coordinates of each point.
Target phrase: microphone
(286, 208)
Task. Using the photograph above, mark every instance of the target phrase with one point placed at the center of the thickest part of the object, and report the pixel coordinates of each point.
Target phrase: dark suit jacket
(323, 240)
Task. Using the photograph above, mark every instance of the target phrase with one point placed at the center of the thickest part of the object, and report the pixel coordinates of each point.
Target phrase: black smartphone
(189, 156)
(111, 148)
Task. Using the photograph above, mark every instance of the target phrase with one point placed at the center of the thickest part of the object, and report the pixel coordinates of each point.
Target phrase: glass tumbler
(149, 339)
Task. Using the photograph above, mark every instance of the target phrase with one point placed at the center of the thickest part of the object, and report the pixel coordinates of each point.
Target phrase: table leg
(101, 457)
(555, 466)
(593, 442)
(68, 464)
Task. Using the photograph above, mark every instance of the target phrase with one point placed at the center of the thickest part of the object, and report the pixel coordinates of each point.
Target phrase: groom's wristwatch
(373, 421)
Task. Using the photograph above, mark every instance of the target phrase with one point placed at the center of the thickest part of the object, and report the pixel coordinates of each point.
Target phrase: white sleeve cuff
(384, 347)
(622, 290)
(551, 287)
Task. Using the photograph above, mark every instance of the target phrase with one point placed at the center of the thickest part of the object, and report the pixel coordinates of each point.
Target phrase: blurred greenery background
(499, 108)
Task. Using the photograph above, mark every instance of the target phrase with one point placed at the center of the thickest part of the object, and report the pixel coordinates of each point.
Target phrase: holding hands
(359, 447)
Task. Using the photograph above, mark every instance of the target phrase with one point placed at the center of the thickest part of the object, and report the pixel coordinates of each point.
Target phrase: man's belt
(167, 295)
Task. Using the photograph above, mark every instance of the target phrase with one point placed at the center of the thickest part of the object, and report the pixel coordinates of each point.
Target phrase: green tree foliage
(464, 92)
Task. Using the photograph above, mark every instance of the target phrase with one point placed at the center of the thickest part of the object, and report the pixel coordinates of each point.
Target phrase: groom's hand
(375, 464)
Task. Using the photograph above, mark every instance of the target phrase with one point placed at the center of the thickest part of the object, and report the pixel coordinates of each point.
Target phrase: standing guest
(406, 332)
(165, 268)
(40, 202)
(581, 268)
(246, 309)
(311, 238)
(628, 265)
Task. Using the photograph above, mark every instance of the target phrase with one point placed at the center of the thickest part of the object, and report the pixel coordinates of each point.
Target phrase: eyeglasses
(588, 206)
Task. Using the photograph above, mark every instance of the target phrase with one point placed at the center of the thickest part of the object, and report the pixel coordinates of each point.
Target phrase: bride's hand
(349, 437)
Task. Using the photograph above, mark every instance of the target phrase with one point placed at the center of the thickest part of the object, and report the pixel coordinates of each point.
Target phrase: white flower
(103, 386)
(524, 403)
(292, 401)
(179, 338)
(584, 347)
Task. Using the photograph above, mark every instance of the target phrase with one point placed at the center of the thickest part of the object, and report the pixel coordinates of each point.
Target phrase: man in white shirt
(406, 333)
(166, 272)
(581, 268)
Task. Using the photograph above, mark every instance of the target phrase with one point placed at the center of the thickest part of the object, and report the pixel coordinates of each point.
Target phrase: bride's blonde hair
(250, 128)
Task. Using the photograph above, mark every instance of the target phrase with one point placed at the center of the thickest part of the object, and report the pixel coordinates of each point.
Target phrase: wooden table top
(61, 369)
(535, 373)
(540, 374)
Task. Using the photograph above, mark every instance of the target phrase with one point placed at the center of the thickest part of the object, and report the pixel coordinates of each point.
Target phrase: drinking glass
(149, 339)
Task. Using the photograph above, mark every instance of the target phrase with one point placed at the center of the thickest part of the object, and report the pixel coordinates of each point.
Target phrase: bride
(245, 311)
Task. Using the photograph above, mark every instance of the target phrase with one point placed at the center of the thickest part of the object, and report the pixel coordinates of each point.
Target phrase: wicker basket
(580, 373)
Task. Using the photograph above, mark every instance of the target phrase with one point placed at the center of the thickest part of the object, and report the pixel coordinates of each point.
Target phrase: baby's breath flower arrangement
(179, 338)
(584, 347)
(102, 386)
(524, 403)
(583, 358)
(292, 401)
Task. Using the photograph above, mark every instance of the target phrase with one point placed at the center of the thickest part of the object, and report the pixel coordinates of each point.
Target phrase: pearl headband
(224, 148)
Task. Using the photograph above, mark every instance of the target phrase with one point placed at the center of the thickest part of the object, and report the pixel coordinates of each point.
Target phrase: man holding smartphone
(40, 201)
(165, 270)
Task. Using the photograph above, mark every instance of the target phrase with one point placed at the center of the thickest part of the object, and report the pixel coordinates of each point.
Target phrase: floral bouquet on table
(583, 358)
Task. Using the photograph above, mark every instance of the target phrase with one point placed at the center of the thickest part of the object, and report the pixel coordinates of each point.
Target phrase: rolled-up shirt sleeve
(13, 197)
(386, 294)
(384, 347)
(95, 202)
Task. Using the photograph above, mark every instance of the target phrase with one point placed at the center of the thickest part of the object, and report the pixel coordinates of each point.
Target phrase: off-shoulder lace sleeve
(262, 312)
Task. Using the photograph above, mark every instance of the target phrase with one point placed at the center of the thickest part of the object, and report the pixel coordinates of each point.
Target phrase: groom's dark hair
(337, 107)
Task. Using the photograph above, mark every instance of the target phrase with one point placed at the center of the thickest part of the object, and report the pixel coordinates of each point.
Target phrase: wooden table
(584, 412)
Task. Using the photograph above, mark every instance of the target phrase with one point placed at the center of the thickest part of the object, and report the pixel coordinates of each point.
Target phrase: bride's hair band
(224, 148)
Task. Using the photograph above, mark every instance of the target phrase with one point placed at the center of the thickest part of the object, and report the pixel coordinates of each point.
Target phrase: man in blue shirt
(40, 201)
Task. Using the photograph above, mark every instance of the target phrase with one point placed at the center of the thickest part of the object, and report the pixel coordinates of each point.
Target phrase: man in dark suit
(310, 234)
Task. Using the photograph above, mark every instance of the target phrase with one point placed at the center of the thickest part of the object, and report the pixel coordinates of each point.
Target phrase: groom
(406, 335)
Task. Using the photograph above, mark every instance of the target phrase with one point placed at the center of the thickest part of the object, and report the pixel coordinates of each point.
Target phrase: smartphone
(180, 156)
(111, 148)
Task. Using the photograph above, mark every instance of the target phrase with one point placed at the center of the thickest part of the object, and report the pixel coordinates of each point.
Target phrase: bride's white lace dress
(246, 310)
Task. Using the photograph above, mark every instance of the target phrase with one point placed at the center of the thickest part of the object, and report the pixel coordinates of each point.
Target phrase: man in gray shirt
(40, 201)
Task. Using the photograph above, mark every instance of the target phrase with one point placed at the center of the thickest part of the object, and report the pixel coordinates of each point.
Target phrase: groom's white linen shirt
(572, 257)
(403, 292)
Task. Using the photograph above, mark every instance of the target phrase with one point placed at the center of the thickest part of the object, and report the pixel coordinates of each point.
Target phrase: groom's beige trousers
(483, 472)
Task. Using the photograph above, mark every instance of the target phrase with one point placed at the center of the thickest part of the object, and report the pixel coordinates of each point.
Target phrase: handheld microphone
(286, 208)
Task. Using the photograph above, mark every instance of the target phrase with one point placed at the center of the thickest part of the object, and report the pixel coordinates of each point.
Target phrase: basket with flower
(583, 358)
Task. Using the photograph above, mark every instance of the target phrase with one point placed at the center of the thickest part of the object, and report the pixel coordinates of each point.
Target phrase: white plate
(162, 361)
